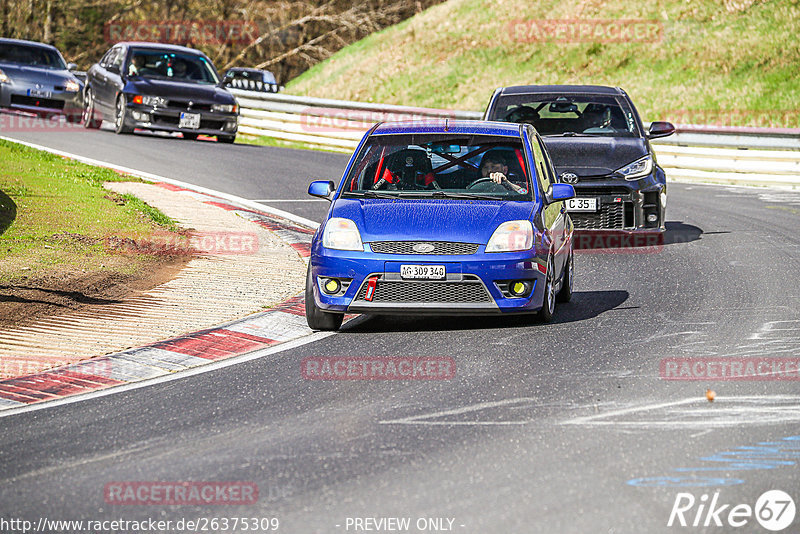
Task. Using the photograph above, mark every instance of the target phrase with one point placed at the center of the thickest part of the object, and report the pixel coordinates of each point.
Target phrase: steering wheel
(493, 186)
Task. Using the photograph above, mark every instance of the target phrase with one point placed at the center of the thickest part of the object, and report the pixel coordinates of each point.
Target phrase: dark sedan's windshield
(558, 114)
(171, 65)
(441, 166)
(35, 56)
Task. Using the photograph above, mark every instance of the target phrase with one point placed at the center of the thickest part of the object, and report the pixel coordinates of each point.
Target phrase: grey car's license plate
(38, 93)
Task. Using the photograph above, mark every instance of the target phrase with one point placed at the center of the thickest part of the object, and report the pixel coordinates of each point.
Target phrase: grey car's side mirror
(71, 66)
(321, 189)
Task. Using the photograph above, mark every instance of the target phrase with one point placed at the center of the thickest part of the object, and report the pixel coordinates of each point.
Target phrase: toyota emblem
(423, 248)
(569, 178)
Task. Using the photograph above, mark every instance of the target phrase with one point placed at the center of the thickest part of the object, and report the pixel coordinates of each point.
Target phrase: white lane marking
(423, 419)
(156, 178)
(289, 200)
(723, 412)
(213, 366)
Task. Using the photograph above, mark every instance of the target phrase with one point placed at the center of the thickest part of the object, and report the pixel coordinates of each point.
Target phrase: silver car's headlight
(72, 86)
(511, 236)
(342, 234)
(3, 77)
(638, 169)
(224, 108)
(155, 101)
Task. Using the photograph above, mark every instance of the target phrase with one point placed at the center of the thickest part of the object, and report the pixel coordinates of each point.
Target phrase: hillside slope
(736, 60)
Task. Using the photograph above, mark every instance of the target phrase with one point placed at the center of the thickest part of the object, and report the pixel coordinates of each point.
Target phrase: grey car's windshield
(569, 115)
(440, 166)
(171, 65)
(34, 56)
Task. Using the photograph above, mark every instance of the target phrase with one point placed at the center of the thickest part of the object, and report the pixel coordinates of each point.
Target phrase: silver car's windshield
(33, 56)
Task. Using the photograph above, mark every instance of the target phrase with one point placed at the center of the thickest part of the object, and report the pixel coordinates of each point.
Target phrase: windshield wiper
(573, 134)
(369, 194)
(471, 196)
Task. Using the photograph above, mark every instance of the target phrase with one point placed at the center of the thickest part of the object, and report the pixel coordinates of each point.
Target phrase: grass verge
(56, 217)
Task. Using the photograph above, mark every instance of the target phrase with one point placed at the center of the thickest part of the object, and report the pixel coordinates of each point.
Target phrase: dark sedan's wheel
(226, 138)
(316, 318)
(88, 118)
(566, 285)
(121, 116)
(549, 300)
(190, 136)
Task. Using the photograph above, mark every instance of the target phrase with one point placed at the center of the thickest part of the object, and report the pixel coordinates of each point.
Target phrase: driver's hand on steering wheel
(498, 177)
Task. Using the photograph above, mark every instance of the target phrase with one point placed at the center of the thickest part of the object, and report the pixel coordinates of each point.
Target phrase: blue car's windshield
(568, 115)
(34, 56)
(424, 166)
(149, 63)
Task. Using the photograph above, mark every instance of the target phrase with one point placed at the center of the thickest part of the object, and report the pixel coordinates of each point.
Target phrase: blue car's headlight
(638, 169)
(341, 234)
(511, 236)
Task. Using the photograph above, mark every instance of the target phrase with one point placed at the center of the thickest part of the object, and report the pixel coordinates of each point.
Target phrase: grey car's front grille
(445, 248)
(610, 217)
(469, 290)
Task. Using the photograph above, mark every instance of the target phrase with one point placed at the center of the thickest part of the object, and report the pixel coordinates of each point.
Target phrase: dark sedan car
(34, 78)
(159, 87)
(599, 145)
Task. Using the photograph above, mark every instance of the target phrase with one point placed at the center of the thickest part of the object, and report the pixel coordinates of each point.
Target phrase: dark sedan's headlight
(4, 78)
(155, 101)
(638, 169)
(224, 108)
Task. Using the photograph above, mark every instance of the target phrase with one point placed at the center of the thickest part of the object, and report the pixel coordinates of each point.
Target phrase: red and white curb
(281, 324)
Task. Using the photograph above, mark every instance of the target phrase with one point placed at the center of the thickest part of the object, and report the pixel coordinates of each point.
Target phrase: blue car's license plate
(424, 272)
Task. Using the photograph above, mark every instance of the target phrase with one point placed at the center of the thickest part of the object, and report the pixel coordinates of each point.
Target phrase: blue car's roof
(447, 126)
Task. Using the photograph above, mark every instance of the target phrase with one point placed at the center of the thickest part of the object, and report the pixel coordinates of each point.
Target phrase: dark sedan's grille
(184, 105)
(465, 291)
(22, 100)
(407, 247)
(610, 216)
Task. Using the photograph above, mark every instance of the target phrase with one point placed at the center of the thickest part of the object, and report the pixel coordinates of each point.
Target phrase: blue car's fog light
(516, 288)
(331, 286)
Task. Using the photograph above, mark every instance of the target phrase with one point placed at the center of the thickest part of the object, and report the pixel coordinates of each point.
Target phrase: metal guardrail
(731, 155)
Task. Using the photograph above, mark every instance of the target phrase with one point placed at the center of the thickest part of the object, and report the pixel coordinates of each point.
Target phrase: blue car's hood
(429, 220)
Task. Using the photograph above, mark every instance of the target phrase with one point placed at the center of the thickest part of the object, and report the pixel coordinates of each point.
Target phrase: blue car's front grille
(468, 290)
(445, 248)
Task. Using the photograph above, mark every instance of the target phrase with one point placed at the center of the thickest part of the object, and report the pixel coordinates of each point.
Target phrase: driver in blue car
(494, 166)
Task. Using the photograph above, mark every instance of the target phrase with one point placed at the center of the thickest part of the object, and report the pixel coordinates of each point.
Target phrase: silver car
(35, 78)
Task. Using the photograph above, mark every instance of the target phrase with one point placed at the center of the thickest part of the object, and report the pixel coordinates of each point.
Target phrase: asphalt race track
(565, 427)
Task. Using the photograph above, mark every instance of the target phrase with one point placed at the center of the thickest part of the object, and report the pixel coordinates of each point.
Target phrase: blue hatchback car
(450, 217)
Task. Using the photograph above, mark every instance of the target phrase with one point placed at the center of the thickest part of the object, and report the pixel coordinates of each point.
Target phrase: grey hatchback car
(35, 78)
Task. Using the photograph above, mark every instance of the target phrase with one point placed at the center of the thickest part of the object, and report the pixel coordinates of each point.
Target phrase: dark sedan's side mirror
(562, 192)
(71, 66)
(322, 189)
(660, 129)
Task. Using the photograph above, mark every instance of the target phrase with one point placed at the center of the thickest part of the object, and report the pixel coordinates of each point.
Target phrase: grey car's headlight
(342, 234)
(224, 108)
(155, 101)
(3, 77)
(638, 169)
(511, 236)
(72, 86)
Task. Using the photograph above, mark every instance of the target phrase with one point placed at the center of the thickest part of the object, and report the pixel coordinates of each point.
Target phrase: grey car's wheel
(88, 117)
(315, 317)
(121, 116)
(565, 294)
(549, 300)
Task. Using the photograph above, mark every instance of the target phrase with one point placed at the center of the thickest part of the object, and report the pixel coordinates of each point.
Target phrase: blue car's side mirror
(322, 189)
(562, 192)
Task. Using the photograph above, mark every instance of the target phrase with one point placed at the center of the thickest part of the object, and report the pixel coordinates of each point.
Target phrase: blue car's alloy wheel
(549, 301)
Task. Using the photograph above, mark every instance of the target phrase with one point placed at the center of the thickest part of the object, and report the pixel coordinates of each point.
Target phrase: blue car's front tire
(316, 318)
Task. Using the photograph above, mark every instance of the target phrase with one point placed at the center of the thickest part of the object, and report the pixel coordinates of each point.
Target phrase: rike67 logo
(774, 510)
